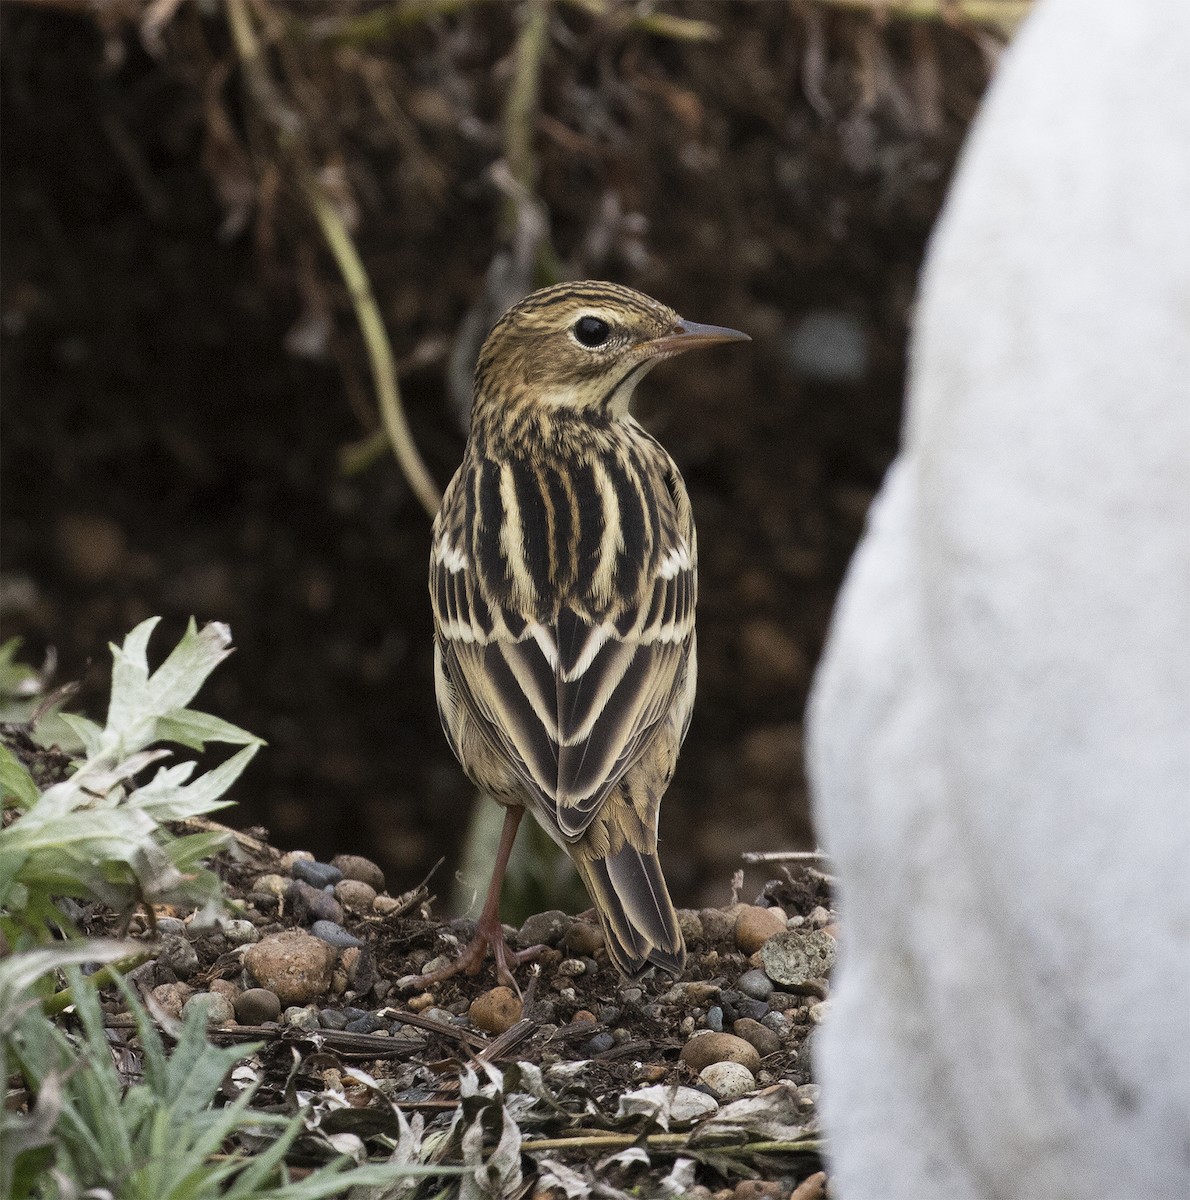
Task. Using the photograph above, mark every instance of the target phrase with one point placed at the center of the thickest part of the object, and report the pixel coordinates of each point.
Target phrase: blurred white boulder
(1000, 728)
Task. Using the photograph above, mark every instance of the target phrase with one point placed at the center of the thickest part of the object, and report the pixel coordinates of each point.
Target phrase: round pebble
(292, 856)
(600, 1043)
(382, 906)
(495, 1011)
(764, 1039)
(756, 1009)
(355, 895)
(704, 1049)
(798, 959)
(179, 956)
(718, 924)
(256, 1006)
(754, 926)
(714, 1018)
(302, 1017)
(583, 939)
(316, 874)
(217, 1008)
(818, 1012)
(334, 935)
(294, 965)
(545, 929)
(240, 932)
(690, 923)
(360, 870)
(572, 967)
(368, 1023)
(728, 1080)
(312, 904)
(170, 927)
(172, 997)
(583, 1017)
(756, 985)
(332, 1018)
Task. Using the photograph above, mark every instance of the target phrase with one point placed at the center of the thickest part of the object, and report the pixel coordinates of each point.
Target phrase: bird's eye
(592, 331)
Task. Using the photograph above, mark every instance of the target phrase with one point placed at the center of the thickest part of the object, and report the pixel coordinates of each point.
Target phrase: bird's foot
(488, 937)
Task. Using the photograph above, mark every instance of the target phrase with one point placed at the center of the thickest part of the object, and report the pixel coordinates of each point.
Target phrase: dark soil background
(181, 366)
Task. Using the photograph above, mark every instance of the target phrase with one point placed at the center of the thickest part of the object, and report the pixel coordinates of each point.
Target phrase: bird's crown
(582, 346)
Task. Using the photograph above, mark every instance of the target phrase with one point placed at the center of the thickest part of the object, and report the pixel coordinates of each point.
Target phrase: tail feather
(639, 923)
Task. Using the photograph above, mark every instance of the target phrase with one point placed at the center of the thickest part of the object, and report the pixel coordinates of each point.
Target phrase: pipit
(563, 577)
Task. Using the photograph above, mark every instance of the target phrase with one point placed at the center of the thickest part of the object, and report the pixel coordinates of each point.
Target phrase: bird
(563, 582)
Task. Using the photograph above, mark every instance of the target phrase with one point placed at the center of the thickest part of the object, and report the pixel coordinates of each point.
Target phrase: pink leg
(489, 934)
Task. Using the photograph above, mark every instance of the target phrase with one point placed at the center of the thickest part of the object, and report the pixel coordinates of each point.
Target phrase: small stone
(813, 1187)
(631, 995)
(440, 1015)
(496, 1011)
(652, 1072)
(696, 993)
(179, 956)
(240, 932)
(332, 1018)
(293, 964)
(706, 1048)
(225, 987)
(779, 1023)
(609, 1014)
(172, 997)
(171, 927)
(728, 1080)
(256, 1006)
(571, 968)
(600, 1043)
(316, 874)
(360, 870)
(760, 1036)
(756, 1009)
(310, 904)
(819, 1011)
(754, 926)
(368, 1023)
(756, 985)
(271, 885)
(583, 939)
(420, 1003)
(819, 918)
(808, 1096)
(718, 924)
(760, 1189)
(690, 923)
(799, 960)
(545, 929)
(302, 1017)
(355, 895)
(334, 935)
(217, 1008)
(620, 1035)
(583, 1017)
(686, 1026)
(292, 856)
(714, 1019)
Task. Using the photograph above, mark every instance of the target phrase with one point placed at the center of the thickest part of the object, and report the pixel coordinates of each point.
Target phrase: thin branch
(784, 856)
(1005, 13)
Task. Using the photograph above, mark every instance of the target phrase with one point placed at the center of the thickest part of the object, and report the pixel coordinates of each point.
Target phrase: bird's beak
(690, 335)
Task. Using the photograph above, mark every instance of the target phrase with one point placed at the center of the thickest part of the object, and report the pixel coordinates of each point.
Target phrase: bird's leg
(489, 933)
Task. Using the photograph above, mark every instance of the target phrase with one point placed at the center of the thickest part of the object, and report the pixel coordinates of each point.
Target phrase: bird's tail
(639, 923)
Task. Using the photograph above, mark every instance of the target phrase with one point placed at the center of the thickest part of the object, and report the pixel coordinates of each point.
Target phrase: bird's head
(582, 347)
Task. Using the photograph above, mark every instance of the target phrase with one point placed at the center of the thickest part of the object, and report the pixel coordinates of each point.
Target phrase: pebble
(694, 993)
(718, 924)
(600, 1043)
(808, 1096)
(217, 1008)
(256, 1006)
(495, 1011)
(355, 895)
(421, 1003)
(368, 1023)
(818, 1012)
(583, 1017)
(583, 939)
(690, 924)
(311, 904)
(294, 965)
(240, 932)
(760, 1189)
(442, 1016)
(686, 1026)
(316, 874)
(300, 1017)
(706, 1048)
(292, 856)
(226, 988)
(179, 956)
(360, 870)
(334, 935)
(756, 985)
(382, 906)
(756, 1009)
(271, 885)
(572, 967)
(819, 918)
(728, 1080)
(798, 959)
(172, 997)
(754, 926)
(609, 1014)
(332, 1018)
(714, 1019)
(813, 1187)
(170, 927)
(779, 1023)
(631, 995)
(546, 929)
(764, 1039)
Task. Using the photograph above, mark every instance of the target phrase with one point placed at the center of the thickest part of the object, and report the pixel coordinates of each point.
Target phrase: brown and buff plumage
(563, 576)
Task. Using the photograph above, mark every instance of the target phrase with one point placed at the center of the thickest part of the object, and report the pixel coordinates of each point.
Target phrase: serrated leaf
(195, 729)
(172, 802)
(130, 672)
(16, 784)
(87, 731)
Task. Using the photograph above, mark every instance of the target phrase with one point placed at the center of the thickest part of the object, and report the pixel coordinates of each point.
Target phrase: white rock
(1000, 730)
(728, 1080)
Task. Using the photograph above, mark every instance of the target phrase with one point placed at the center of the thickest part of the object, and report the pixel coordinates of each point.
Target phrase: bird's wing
(572, 702)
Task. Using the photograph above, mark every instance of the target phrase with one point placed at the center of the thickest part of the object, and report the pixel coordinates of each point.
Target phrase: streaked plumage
(563, 577)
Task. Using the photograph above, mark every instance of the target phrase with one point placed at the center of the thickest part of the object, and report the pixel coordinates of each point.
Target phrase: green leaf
(195, 729)
(16, 784)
